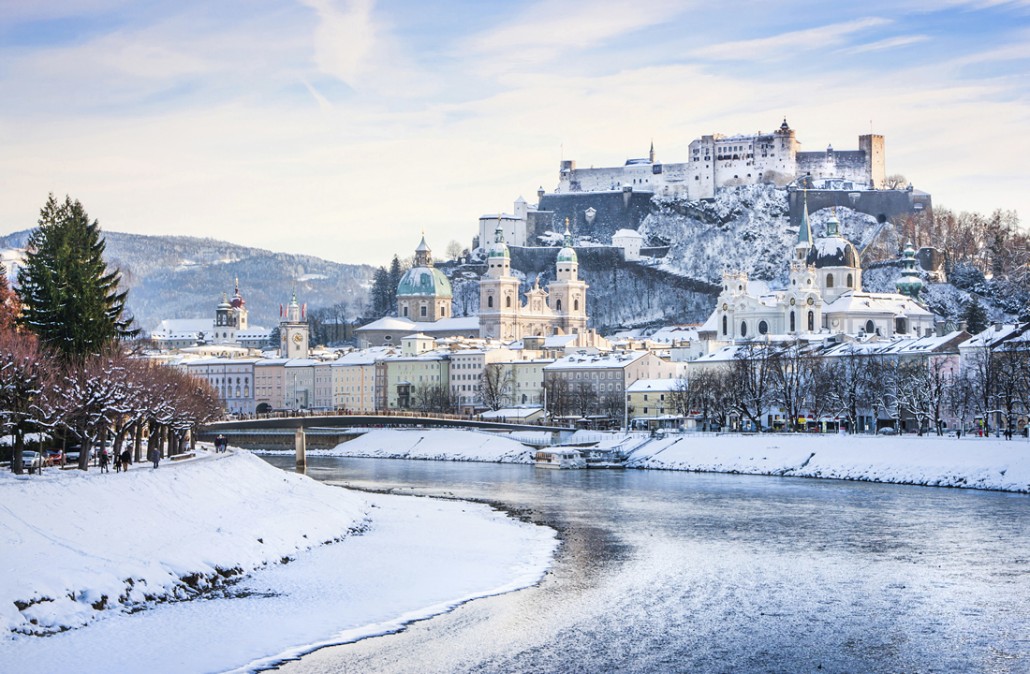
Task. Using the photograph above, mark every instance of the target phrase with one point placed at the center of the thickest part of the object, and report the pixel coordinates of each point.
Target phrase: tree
(849, 385)
(751, 381)
(70, 299)
(975, 316)
(454, 250)
(381, 293)
(10, 307)
(23, 379)
(792, 380)
(497, 383)
(895, 181)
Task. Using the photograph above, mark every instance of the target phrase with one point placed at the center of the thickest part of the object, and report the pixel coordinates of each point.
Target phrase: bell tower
(293, 330)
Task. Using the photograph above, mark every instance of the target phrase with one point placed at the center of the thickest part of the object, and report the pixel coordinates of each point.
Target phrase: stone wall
(882, 204)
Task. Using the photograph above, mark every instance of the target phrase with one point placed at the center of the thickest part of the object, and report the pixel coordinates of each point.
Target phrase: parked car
(887, 430)
(71, 455)
(53, 457)
(31, 460)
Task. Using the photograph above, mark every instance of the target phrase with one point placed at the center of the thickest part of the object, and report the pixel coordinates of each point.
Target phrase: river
(680, 572)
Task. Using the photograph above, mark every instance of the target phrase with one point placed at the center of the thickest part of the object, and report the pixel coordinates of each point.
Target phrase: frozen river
(679, 572)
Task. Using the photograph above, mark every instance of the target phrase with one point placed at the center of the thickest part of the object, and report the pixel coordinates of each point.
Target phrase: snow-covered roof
(627, 234)
(648, 385)
(606, 361)
(862, 303)
(389, 323)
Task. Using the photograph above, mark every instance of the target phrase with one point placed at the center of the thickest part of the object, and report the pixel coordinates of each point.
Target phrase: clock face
(298, 338)
(811, 301)
(791, 301)
(725, 306)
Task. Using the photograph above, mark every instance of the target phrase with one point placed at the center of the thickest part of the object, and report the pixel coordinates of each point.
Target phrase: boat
(559, 458)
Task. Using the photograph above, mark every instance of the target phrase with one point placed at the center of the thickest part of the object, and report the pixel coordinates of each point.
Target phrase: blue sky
(345, 128)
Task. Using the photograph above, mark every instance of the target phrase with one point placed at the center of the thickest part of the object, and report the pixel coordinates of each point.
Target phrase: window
(793, 325)
(851, 281)
(575, 305)
(724, 331)
(557, 305)
(829, 280)
(869, 327)
(743, 329)
(423, 311)
(490, 302)
(811, 321)
(405, 311)
(763, 328)
(507, 302)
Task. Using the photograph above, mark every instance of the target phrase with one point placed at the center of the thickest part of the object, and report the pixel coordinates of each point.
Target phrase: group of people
(121, 460)
(221, 443)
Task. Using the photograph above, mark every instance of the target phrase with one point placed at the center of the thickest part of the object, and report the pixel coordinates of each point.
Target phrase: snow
(443, 445)
(977, 463)
(76, 537)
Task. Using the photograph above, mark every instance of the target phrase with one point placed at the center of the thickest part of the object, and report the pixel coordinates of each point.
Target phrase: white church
(824, 296)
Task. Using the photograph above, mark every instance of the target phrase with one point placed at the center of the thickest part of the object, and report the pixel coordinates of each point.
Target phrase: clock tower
(293, 331)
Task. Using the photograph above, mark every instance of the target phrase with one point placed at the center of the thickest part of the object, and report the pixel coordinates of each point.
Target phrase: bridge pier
(300, 444)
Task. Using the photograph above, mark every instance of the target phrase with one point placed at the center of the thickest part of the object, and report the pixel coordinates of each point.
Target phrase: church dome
(498, 249)
(833, 250)
(567, 254)
(425, 281)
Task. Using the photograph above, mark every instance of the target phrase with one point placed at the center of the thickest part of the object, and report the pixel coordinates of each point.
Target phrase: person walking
(104, 460)
(155, 456)
(126, 460)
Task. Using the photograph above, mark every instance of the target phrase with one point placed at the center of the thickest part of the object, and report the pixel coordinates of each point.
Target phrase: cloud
(345, 37)
(785, 45)
(889, 43)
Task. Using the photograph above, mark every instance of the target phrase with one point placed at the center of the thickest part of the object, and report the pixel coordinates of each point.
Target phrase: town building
(228, 333)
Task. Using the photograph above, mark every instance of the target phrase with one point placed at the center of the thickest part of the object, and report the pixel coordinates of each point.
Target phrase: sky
(347, 128)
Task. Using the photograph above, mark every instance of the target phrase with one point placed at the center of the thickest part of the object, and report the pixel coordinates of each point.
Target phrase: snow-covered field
(980, 463)
(83, 552)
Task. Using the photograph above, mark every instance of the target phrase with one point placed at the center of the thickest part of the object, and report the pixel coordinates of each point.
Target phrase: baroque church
(824, 295)
(424, 299)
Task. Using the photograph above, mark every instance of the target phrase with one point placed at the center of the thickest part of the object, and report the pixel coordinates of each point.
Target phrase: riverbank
(85, 553)
(972, 463)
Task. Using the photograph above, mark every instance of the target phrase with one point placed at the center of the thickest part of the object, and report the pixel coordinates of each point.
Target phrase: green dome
(426, 281)
(498, 250)
(567, 254)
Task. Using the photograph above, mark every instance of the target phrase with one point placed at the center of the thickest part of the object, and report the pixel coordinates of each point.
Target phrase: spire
(423, 254)
(568, 235)
(651, 153)
(909, 284)
(833, 224)
(498, 232)
(804, 244)
(236, 287)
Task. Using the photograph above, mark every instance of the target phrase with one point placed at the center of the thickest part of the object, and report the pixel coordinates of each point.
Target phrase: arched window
(575, 305)
(423, 311)
(405, 311)
(725, 329)
(811, 321)
(507, 302)
(557, 305)
(763, 328)
(490, 302)
(851, 281)
(743, 328)
(829, 280)
(793, 323)
(869, 327)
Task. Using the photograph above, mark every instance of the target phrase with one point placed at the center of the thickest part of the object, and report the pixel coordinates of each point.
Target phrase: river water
(679, 572)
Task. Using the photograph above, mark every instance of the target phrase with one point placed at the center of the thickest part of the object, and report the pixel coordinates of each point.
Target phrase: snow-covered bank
(976, 463)
(78, 545)
(432, 444)
(979, 463)
(75, 537)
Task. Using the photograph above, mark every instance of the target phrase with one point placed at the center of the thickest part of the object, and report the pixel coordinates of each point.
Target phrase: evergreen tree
(381, 294)
(69, 298)
(975, 316)
(396, 273)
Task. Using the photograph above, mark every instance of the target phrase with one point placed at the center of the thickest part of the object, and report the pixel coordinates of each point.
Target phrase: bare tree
(497, 382)
(750, 381)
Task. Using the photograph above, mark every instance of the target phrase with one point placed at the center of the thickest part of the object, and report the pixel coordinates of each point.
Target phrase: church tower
(293, 331)
(499, 301)
(567, 295)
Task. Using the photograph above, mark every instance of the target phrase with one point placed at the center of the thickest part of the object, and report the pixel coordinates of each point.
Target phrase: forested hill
(184, 277)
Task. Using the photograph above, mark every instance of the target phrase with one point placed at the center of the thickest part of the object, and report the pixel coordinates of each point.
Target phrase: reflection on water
(679, 572)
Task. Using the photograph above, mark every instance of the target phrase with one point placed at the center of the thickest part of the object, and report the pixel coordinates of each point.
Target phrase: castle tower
(424, 293)
(293, 330)
(875, 163)
(499, 302)
(567, 295)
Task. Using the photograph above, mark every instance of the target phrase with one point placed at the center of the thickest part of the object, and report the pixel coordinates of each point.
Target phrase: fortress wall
(882, 204)
(615, 211)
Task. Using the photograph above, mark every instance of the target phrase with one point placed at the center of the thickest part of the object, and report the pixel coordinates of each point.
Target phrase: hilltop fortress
(716, 161)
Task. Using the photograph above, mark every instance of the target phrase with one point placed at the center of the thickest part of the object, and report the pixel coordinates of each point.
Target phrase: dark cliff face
(612, 211)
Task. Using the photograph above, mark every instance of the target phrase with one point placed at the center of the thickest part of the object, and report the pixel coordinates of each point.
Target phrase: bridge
(331, 430)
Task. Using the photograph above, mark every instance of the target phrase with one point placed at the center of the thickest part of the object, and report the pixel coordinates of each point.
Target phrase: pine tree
(975, 316)
(380, 294)
(69, 298)
(396, 273)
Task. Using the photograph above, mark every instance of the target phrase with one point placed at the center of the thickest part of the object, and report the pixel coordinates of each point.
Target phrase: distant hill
(184, 277)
